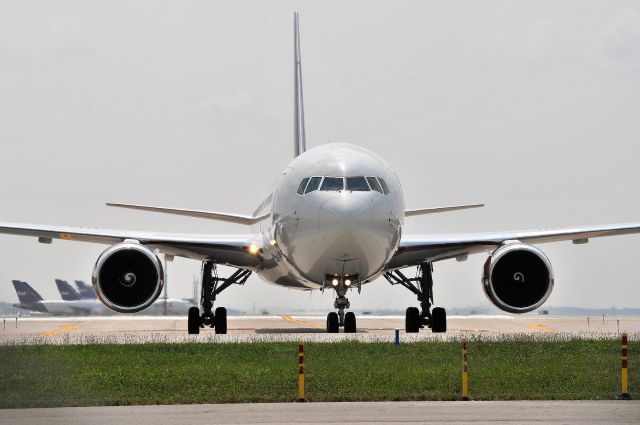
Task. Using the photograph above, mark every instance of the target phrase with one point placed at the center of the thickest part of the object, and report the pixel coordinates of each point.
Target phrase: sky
(530, 107)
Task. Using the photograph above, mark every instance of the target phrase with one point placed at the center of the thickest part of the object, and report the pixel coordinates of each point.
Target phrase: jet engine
(128, 277)
(517, 278)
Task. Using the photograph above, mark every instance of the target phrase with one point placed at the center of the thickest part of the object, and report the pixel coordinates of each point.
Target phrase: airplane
(77, 304)
(28, 298)
(31, 300)
(66, 291)
(334, 221)
(162, 306)
(85, 291)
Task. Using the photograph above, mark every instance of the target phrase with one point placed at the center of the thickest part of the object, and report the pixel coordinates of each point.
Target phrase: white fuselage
(311, 238)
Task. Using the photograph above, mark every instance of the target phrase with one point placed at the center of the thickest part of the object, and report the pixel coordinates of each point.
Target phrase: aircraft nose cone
(344, 221)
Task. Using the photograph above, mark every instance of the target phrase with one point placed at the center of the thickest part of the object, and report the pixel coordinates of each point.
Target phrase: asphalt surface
(132, 329)
(471, 412)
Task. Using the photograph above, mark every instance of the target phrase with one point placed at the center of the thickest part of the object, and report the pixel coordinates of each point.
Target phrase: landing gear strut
(212, 285)
(340, 319)
(422, 286)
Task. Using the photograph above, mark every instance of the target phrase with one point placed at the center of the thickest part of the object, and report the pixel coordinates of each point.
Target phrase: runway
(486, 412)
(285, 327)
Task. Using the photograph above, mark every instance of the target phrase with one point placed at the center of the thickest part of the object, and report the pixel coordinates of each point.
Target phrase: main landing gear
(340, 319)
(421, 285)
(212, 285)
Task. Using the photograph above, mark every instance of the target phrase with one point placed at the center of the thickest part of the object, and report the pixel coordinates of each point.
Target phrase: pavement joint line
(298, 322)
(61, 330)
(541, 328)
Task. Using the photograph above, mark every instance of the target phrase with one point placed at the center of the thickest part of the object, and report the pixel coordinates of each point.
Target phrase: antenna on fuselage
(298, 136)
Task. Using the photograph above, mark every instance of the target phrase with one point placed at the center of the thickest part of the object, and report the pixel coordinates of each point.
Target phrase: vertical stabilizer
(26, 294)
(86, 291)
(66, 291)
(299, 139)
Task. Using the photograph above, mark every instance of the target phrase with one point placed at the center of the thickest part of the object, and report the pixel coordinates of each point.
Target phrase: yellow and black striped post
(301, 371)
(624, 352)
(465, 370)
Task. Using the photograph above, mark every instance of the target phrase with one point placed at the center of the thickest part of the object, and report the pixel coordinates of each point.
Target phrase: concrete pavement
(452, 413)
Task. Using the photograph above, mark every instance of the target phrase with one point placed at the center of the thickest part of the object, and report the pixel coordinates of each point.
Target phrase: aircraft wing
(232, 250)
(415, 249)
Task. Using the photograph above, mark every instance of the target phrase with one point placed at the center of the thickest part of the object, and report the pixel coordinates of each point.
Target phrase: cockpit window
(303, 184)
(385, 188)
(354, 184)
(373, 182)
(332, 183)
(313, 184)
(358, 184)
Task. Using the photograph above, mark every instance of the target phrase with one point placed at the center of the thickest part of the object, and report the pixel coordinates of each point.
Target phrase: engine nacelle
(128, 277)
(517, 278)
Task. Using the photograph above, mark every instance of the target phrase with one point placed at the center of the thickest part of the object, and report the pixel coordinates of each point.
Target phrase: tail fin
(86, 291)
(26, 294)
(66, 291)
(298, 136)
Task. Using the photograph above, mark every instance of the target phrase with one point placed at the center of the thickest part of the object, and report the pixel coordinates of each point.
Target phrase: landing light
(253, 249)
(335, 282)
(347, 282)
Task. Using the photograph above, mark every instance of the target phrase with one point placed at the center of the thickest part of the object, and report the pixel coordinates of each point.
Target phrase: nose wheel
(349, 324)
(333, 324)
(341, 319)
(421, 285)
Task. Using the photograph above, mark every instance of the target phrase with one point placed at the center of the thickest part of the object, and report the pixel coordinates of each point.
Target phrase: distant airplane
(72, 304)
(334, 221)
(78, 304)
(86, 292)
(31, 300)
(168, 306)
(66, 291)
(28, 298)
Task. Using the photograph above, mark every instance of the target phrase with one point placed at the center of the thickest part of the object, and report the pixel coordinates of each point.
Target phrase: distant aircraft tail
(86, 291)
(26, 294)
(298, 136)
(66, 291)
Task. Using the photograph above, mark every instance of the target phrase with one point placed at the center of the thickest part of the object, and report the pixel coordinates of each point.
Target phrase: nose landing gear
(212, 285)
(337, 320)
(421, 285)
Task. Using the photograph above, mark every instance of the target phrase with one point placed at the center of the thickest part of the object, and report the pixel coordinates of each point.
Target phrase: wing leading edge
(231, 250)
(416, 249)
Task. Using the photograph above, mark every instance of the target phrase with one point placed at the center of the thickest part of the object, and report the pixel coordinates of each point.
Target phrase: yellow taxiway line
(61, 330)
(541, 328)
(298, 322)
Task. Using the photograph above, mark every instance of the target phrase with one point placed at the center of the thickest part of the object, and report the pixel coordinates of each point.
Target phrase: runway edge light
(624, 353)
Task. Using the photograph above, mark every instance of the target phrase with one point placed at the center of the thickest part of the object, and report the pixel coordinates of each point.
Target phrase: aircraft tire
(193, 321)
(412, 320)
(333, 325)
(438, 320)
(220, 320)
(350, 323)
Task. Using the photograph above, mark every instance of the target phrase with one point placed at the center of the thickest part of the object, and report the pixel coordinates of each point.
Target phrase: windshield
(332, 183)
(357, 184)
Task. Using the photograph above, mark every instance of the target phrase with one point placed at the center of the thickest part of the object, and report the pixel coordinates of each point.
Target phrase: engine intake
(128, 277)
(517, 278)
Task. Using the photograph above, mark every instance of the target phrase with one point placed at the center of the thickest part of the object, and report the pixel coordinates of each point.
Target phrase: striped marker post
(300, 371)
(624, 371)
(465, 370)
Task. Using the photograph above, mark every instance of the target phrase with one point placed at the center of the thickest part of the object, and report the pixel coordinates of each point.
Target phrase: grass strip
(84, 375)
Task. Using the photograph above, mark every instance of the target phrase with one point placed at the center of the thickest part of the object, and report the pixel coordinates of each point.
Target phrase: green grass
(80, 375)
